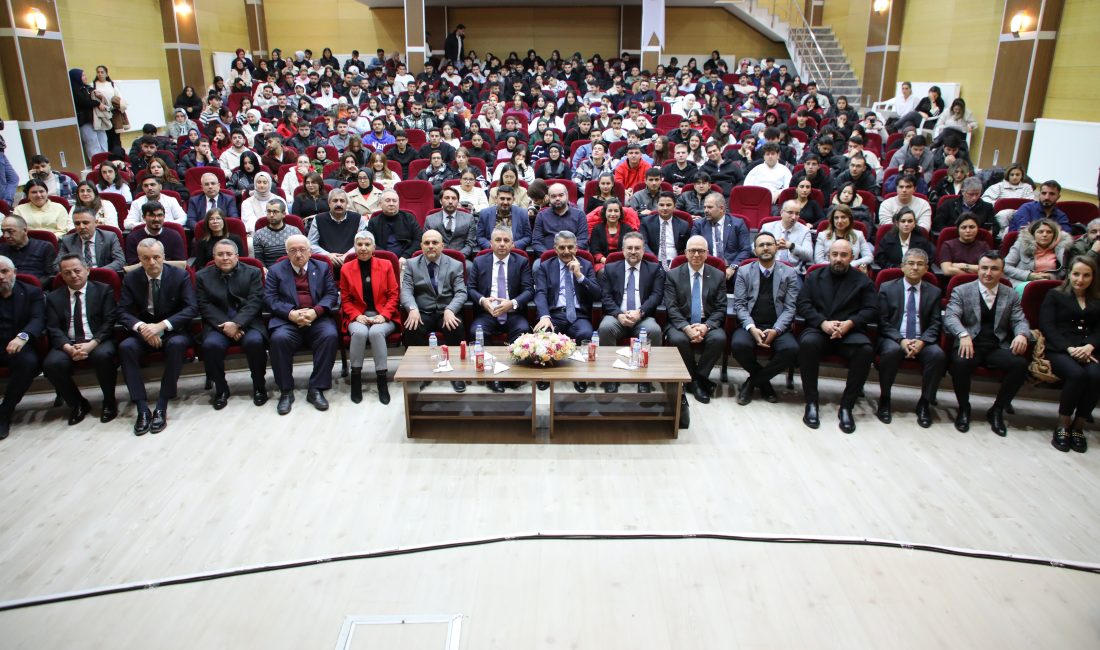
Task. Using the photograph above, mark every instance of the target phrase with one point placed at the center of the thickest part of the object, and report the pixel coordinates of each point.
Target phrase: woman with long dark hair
(214, 230)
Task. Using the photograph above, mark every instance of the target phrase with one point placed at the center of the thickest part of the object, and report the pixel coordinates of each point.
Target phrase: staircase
(843, 79)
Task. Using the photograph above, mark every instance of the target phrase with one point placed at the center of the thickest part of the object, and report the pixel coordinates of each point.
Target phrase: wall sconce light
(881, 5)
(37, 21)
(1019, 23)
(182, 8)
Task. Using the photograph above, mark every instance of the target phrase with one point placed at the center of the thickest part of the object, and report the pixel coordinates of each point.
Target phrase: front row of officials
(837, 303)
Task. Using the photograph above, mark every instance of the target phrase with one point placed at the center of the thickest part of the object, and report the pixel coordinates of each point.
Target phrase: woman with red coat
(368, 300)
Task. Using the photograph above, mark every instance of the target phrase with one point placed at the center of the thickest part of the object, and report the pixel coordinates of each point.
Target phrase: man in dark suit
(726, 235)
(22, 319)
(837, 303)
(765, 297)
(695, 296)
(909, 328)
(505, 213)
(665, 234)
(98, 249)
(80, 321)
(500, 287)
(990, 330)
(211, 197)
(158, 303)
(632, 289)
(230, 297)
(565, 290)
(454, 46)
(30, 256)
(301, 294)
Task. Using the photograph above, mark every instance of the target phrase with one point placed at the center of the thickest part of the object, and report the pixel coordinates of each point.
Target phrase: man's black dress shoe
(611, 387)
(847, 422)
(962, 419)
(580, 386)
(144, 421)
(924, 414)
(316, 397)
(220, 399)
(744, 396)
(810, 418)
(710, 387)
(109, 412)
(645, 387)
(768, 392)
(285, 400)
(459, 386)
(699, 393)
(996, 418)
(883, 413)
(496, 387)
(259, 395)
(79, 412)
(542, 385)
(160, 421)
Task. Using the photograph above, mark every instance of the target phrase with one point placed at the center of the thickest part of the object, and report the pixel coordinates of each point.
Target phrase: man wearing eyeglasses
(269, 242)
(793, 240)
(695, 296)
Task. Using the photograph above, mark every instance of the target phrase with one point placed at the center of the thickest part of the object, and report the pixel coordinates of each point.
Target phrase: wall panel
(702, 29)
(1073, 92)
(223, 27)
(343, 25)
(587, 30)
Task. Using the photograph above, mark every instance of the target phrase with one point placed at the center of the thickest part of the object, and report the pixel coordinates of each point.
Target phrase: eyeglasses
(696, 251)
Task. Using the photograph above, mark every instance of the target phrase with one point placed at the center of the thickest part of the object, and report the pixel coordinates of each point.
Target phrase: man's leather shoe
(459, 386)
(5, 427)
(883, 413)
(580, 386)
(542, 385)
(962, 420)
(496, 387)
(847, 422)
(996, 418)
(611, 387)
(285, 400)
(109, 412)
(710, 387)
(645, 387)
(316, 397)
(810, 418)
(699, 393)
(79, 412)
(259, 395)
(143, 422)
(768, 392)
(924, 414)
(160, 421)
(685, 414)
(744, 396)
(220, 400)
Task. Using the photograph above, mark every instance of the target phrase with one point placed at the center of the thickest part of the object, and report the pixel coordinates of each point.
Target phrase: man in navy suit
(157, 305)
(501, 286)
(505, 212)
(301, 293)
(727, 236)
(25, 319)
(210, 198)
(665, 234)
(632, 289)
(565, 289)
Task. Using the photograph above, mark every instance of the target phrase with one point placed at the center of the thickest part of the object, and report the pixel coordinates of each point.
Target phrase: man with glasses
(695, 296)
(152, 227)
(793, 239)
(169, 205)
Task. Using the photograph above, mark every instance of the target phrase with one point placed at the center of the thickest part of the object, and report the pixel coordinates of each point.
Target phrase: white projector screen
(1066, 151)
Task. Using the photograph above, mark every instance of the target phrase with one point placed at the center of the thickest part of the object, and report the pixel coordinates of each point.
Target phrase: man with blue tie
(301, 294)
(695, 296)
(500, 287)
(211, 197)
(565, 289)
(633, 289)
(727, 236)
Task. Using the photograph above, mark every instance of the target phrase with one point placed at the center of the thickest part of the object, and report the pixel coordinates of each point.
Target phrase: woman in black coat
(189, 102)
(889, 252)
(1070, 322)
(607, 235)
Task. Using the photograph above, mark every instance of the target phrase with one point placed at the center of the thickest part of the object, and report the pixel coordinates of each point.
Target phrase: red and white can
(645, 358)
(444, 353)
(592, 348)
(462, 351)
(479, 362)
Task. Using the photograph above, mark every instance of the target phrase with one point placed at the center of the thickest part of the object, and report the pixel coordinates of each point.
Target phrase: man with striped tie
(665, 234)
(633, 289)
(98, 248)
(500, 287)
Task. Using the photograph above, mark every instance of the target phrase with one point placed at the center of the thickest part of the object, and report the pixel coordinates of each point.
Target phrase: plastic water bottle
(636, 354)
(643, 340)
(479, 357)
(593, 346)
(433, 346)
(479, 336)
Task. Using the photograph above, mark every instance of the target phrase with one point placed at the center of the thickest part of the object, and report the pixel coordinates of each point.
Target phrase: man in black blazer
(158, 303)
(80, 322)
(910, 323)
(565, 290)
(632, 291)
(98, 248)
(230, 298)
(695, 296)
(209, 198)
(665, 234)
(837, 303)
(500, 287)
(22, 304)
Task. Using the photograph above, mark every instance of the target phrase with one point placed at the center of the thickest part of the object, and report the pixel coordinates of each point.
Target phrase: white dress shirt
(499, 268)
(670, 238)
(88, 334)
(172, 211)
(637, 286)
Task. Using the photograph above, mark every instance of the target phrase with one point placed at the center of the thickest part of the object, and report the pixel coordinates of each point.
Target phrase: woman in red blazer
(368, 315)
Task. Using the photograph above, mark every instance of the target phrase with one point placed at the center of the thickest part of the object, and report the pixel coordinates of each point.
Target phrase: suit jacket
(786, 286)
(891, 308)
(281, 295)
(651, 229)
(176, 302)
(247, 288)
(736, 245)
(418, 293)
(678, 297)
(548, 283)
(854, 299)
(100, 308)
(521, 286)
(1066, 325)
(651, 287)
(196, 207)
(30, 310)
(521, 227)
(384, 290)
(964, 313)
(106, 249)
(464, 237)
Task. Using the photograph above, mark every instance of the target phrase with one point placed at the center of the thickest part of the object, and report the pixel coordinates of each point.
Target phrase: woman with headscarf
(180, 124)
(685, 105)
(87, 100)
(252, 127)
(255, 206)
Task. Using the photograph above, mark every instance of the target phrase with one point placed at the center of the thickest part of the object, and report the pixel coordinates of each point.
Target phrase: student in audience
(1014, 186)
(57, 184)
(905, 236)
(365, 199)
(168, 205)
(809, 210)
(110, 180)
(505, 214)
(29, 255)
(906, 198)
(173, 247)
(40, 213)
(1045, 207)
(605, 186)
(847, 196)
(269, 242)
(770, 174)
(470, 195)
(313, 199)
(244, 178)
(607, 234)
(858, 175)
(841, 226)
(1037, 254)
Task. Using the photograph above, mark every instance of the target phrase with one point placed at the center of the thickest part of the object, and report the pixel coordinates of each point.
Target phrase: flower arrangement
(541, 348)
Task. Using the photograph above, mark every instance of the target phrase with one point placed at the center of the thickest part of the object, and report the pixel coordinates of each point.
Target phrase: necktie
(570, 295)
(631, 303)
(717, 230)
(663, 244)
(785, 254)
(431, 276)
(78, 318)
(156, 295)
(696, 298)
(502, 288)
(449, 226)
(89, 257)
(911, 314)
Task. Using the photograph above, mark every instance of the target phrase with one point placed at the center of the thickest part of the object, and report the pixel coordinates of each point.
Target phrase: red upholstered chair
(937, 177)
(570, 187)
(885, 275)
(418, 197)
(28, 279)
(330, 151)
(291, 220)
(951, 232)
(963, 278)
(640, 187)
(1008, 204)
(592, 188)
(583, 254)
(791, 193)
(685, 216)
(417, 137)
(1008, 240)
(416, 166)
(1081, 212)
(192, 178)
(944, 199)
(869, 200)
(618, 256)
(56, 199)
(1032, 300)
(46, 236)
(232, 224)
(754, 204)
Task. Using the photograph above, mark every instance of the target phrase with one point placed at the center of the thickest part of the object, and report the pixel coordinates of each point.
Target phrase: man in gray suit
(459, 228)
(433, 291)
(695, 296)
(990, 329)
(765, 298)
(98, 249)
(794, 241)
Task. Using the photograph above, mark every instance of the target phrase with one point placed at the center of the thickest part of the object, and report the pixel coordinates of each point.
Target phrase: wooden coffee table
(427, 409)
